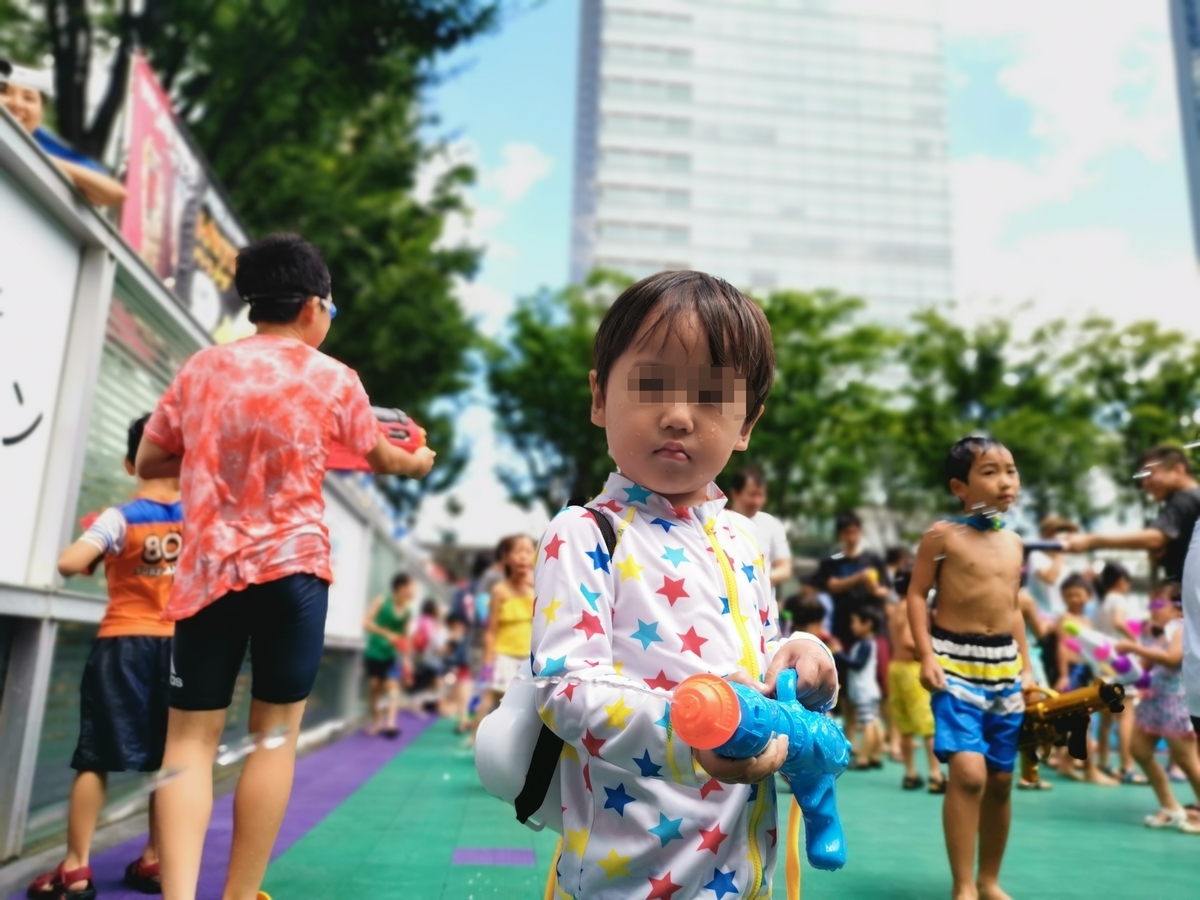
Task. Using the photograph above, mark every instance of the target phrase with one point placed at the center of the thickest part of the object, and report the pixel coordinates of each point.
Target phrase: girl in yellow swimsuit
(510, 619)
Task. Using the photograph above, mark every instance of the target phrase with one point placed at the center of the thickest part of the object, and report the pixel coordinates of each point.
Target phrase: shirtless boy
(974, 658)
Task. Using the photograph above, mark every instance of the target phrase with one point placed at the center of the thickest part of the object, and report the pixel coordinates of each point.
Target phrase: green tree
(309, 114)
(818, 439)
(538, 378)
(1145, 381)
(979, 380)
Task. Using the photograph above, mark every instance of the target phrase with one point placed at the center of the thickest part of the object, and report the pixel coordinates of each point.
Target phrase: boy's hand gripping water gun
(1101, 655)
(1062, 719)
(736, 721)
(395, 425)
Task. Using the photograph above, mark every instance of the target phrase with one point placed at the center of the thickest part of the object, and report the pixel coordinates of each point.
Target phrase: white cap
(40, 80)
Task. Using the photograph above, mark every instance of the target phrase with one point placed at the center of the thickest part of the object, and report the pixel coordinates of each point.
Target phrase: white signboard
(350, 559)
(39, 269)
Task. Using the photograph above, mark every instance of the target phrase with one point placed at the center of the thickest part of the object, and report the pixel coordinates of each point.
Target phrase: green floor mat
(396, 838)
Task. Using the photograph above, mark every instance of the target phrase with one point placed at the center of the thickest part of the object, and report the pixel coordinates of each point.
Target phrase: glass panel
(139, 361)
(8, 626)
(325, 701)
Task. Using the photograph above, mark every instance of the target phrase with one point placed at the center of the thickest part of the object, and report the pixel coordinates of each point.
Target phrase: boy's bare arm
(924, 571)
(388, 459)
(154, 461)
(78, 558)
(1018, 631)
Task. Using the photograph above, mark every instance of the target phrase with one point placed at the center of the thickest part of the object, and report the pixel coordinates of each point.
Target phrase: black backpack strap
(606, 529)
(540, 773)
(549, 745)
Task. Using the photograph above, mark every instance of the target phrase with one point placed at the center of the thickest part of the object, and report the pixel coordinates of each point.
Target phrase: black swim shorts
(282, 622)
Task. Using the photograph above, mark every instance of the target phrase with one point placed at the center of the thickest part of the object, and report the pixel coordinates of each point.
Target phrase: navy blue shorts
(282, 622)
(123, 705)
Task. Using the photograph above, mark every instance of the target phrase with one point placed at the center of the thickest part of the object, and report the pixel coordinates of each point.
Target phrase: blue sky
(1066, 174)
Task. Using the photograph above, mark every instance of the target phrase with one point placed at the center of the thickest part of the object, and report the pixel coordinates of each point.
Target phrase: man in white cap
(23, 93)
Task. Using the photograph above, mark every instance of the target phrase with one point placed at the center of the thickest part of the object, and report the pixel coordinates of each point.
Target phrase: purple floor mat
(323, 781)
(492, 856)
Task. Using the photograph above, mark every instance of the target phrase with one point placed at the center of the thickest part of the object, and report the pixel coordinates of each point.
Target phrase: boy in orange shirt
(123, 697)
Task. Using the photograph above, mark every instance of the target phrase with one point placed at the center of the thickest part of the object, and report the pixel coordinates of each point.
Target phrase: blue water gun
(736, 721)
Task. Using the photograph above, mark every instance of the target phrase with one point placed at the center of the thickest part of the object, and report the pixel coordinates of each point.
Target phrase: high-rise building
(1185, 28)
(777, 143)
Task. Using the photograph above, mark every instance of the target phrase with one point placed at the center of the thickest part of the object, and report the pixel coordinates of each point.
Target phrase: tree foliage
(309, 114)
(817, 440)
(978, 380)
(860, 413)
(539, 383)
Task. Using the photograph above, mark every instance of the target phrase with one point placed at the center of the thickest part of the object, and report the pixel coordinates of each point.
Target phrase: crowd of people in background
(458, 661)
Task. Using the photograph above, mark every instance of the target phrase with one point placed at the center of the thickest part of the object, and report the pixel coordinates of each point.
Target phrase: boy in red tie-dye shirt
(247, 426)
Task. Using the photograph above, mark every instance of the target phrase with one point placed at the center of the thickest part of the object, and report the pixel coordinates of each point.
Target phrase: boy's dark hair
(805, 610)
(869, 614)
(739, 335)
(134, 439)
(745, 476)
(456, 618)
(1109, 576)
(278, 274)
(897, 555)
(1075, 580)
(429, 608)
(844, 520)
(963, 454)
(1166, 455)
(399, 580)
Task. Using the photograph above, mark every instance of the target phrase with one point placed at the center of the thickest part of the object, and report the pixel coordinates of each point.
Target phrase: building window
(640, 233)
(661, 125)
(646, 159)
(632, 195)
(642, 55)
(639, 89)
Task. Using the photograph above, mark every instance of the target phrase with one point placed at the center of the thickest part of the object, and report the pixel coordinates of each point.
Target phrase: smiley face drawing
(16, 422)
(8, 440)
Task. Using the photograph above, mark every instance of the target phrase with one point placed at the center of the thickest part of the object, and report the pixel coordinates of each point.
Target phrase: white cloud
(1098, 76)
(524, 166)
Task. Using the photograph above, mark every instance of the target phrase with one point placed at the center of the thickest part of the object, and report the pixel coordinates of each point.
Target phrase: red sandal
(54, 885)
(144, 877)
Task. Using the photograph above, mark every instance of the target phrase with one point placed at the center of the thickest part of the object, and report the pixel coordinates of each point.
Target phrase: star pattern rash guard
(685, 591)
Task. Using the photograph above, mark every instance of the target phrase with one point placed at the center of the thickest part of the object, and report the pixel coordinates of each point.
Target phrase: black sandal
(144, 877)
(937, 785)
(912, 783)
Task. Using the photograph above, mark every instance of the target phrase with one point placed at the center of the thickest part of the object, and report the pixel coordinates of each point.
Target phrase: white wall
(39, 269)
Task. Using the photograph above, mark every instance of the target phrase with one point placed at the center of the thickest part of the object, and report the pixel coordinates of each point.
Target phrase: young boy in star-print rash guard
(683, 365)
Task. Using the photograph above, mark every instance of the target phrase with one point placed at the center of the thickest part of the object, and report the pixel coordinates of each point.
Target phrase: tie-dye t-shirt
(253, 421)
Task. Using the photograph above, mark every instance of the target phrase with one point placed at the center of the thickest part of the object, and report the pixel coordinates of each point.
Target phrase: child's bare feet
(992, 891)
(1098, 777)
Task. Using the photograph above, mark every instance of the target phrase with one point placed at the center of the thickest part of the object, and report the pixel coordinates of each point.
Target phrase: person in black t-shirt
(1167, 477)
(853, 577)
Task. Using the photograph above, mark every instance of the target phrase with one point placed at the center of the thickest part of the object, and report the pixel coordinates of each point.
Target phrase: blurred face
(1076, 598)
(750, 500)
(850, 538)
(25, 104)
(404, 594)
(993, 482)
(521, 557)
(672, 418)
(1160, 481)
(859, 627)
